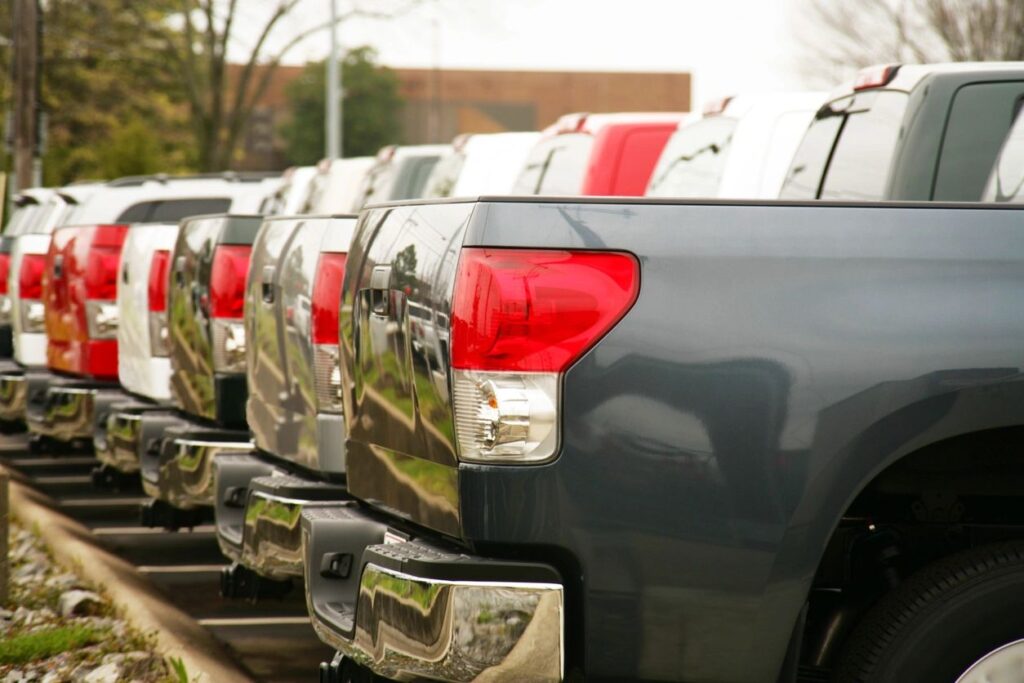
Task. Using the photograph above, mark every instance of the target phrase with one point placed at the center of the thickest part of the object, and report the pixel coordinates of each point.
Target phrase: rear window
(556, 166)
(1006, 182)
(848, 149)
(979, 121)
(693, 160)
(412, 177)
(172, 210)
(445, 175)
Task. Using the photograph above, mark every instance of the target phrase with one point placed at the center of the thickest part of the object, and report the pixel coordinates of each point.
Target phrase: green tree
(105, 89)
(370, 108)
(221, 99)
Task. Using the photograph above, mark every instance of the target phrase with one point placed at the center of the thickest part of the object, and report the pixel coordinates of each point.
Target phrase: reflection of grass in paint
(430, 477)
(421, 594)
(261, 508)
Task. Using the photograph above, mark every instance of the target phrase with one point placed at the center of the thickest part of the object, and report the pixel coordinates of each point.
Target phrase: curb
(133, 596)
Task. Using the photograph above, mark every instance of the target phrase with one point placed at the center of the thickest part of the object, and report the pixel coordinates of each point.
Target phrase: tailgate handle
(380, 286)
(179, 271)
(267, 284)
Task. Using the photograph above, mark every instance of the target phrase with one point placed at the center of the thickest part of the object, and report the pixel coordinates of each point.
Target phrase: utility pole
(26, 92)
(334, 91)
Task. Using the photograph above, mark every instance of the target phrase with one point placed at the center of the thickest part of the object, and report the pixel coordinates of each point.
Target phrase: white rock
(107, 673)
(78, 602)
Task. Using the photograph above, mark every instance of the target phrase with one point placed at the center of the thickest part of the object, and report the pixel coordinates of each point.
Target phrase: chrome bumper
(67, 411)
(410, 609)
(13, 394)
(272, 535)
(181, 474)
(128, 430)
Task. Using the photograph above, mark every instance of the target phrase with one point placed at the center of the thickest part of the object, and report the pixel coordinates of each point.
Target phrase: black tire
(941, 620)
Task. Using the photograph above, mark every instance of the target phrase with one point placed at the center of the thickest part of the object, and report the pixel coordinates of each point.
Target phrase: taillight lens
(5, 270)
(101, 271)
(157, 298)
(227, 300)
(227, 280)
(5, 301)
(330, 271)
(30, 293)
(520, 318)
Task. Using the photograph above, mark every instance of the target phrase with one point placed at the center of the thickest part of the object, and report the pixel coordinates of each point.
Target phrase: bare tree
(195, 37)
(841, 35)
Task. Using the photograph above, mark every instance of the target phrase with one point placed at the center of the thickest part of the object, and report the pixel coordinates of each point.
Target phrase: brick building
(441, 103)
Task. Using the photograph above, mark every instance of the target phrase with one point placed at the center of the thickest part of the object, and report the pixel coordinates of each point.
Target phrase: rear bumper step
(232, 473)
(414, 609)
(178, 469)
(272, 535)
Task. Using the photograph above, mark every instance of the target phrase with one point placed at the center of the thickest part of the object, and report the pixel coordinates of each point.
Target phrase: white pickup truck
(143, 366)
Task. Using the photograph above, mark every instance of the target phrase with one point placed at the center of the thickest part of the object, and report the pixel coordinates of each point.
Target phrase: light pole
(334, 91)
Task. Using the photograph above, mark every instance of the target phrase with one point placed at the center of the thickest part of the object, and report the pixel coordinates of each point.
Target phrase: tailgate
(138, 369)
(394, 323)
(190, 329)
(282, 404)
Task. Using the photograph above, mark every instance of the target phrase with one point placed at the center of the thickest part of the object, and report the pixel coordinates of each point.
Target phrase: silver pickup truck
(293, 407)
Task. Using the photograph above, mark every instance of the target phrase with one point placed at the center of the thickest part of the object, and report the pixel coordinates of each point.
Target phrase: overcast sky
(729, 46)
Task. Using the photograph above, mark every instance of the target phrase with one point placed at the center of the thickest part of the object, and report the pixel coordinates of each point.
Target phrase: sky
(729, 46)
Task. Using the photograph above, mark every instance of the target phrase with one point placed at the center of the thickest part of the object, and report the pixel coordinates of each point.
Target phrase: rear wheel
(959, 620)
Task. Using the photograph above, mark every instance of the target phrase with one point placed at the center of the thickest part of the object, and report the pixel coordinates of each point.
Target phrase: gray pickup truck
(696, 441)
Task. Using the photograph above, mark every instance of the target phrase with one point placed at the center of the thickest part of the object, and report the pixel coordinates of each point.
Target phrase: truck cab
(597, 154)
(399, 172)
(480, 164)
(908, 132)
(740, 148)
(335, 188)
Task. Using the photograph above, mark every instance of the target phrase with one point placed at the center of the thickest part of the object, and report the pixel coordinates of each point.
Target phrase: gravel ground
(55, 627)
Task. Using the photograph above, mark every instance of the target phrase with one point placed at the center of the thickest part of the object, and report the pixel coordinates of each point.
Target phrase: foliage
(179, 673)
(29, 647)
(221, 101)
(849, 35)
(370, 108)
(101, 89)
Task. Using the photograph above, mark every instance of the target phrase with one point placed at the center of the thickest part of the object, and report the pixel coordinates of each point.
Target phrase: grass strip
(29, 647)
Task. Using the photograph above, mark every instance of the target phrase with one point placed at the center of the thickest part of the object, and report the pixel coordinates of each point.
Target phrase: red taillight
(330, 271)
(875, 76)
(101, 272)
(5, 269)
(30, 276)
(536, 311)
(227, 280)
(157, 288)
